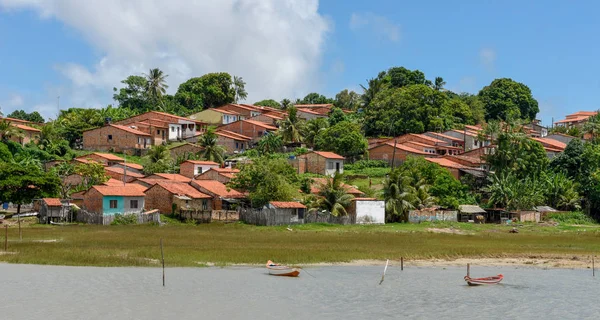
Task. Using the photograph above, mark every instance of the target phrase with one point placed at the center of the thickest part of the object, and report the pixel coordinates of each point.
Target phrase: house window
(204, 204)
(157, 132)
(300, 213)
(172, 129)
(113, 204)
(330, 165)
(147, 140)
(110, 137)
(133, 204)
(199, 170)
(139, 140)
(236, 145)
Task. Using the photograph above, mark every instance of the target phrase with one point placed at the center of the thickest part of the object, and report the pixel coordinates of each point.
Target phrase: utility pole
(58, 103)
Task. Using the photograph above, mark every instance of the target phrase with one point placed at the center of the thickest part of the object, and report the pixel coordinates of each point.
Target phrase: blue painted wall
(106, 205)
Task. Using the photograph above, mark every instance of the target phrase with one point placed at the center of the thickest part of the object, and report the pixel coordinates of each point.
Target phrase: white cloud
(275, 45)
(376, 24)
(487, 57)
(15, 101)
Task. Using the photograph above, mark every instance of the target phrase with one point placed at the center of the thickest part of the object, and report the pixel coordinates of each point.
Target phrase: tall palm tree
(238, 87)
(312, 129)
(7, 131)
(592, 127)
(156, 84)
(333, 196)
(211, 151)
(270, 143)
(285, 103)
(158, 153)
(291, 127)
(399, 197)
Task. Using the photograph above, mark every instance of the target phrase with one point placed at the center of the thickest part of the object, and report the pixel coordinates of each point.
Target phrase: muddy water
(49, 292)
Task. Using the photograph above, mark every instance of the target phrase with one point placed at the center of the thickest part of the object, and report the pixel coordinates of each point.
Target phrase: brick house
(308, 114)
(131, 167)
(270, 118)
(453, 141)
(577, 119)
(116, 138)
(223, 175)
(110, 200)
(121, 174)
(223, 197)
(470, 138)
(216, 116)
(249, 128)
(385, 152)
(320, 162)
(232, 142)
(165, 196)
(245, 111)
(191, 168)
(29, 134)
(170, 176)
(106, 159)
(183, 149)
(177, 127)
(150, 182)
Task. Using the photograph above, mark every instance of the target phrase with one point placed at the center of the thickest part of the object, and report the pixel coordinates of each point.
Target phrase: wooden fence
(95, 218)
(275, 217)
(209, 216)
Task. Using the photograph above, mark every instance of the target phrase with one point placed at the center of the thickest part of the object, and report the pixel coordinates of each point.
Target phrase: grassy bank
(189, 245)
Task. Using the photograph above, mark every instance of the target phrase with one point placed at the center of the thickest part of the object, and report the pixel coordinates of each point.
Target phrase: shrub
(124, 219)
(575, 217)
(364, 164)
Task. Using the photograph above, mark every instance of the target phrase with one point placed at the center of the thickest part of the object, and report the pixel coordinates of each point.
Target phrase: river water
(51, 292)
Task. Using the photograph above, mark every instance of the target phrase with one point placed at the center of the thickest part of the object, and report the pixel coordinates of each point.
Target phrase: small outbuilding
(471, 213)
(294, 209)
(52, 210)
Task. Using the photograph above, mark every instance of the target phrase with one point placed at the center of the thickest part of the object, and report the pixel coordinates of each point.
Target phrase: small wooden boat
(276, 269)
(481, 281)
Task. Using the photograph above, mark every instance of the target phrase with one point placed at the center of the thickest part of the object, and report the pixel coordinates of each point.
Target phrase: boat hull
(483, 281)
(276, 269)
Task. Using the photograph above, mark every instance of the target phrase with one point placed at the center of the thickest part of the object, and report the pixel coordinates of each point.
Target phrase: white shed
(368, 210)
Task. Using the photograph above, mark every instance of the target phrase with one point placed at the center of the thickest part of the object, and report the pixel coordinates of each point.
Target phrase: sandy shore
(572, 262)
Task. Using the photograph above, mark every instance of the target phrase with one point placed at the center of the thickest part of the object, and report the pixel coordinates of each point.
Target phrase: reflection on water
(48, 292)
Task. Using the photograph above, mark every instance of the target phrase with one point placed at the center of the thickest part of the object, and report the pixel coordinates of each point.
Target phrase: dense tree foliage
(133, 95)
(291, 127)
(268, 103)
(20, 184)
(211, 150)
(344, 138)
(315, 98)
(506, 99)
(208, 91)
(332, 197)
(348, 100)
(518, 155)
(33, 116)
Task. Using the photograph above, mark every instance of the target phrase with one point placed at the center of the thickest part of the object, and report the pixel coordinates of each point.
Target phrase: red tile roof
(401, 147)
(329, 155)
(574, 119)
(15, 120)
(232, 135)
(182, 189)
(128, 129)
(309, 111)
(318, 182)
(52, 202)
(261, 124)
(210, 163)
(446, 136)
(228, 175)
(551, 143)
(119, 170)
(447, 163)
(287, 205)
(172, 176)
(128, 190)
(313, 105)
(106, 156)
(151, 182)
(225, 111)
(26, 128)
(218, 188)
(173, 116)
(113, 182)
(242, 106)
(132, 165)
(226, 170)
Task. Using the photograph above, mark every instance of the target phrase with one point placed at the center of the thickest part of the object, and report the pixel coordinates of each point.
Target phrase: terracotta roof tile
(182, 189)
(107, 156)
(329, 155)
(218, 188)
(313, 105)
(287, 205)
(26, 128)
(447, 163)
(128, 129)
(172, 176)
(210, 163)
(119, 170)
(113, 182)
(260, 124)
(128, 190)
(232, 135)
(53, 202)
(318, 182)
(401, 147)
(133, 165)
(226, 170)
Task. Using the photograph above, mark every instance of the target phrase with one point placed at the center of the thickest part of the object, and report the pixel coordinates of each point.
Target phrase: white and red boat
(276, 269)
(482, 281)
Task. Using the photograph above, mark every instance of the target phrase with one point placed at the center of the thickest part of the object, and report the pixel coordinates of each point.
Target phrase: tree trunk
(19, 208)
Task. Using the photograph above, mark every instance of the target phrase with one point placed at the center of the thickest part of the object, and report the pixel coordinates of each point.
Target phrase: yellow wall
(209, 116)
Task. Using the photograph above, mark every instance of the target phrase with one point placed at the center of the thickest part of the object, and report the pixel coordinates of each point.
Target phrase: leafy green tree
(291, 127)
(336, 115)
(7, 131)
(592, 127)
(63, 170)
(439, 83)
(333, 196)
(313, 128)
(238, 88)
(344, 138)
(519, 155)
(348, 100)
(133, 96)
(505, 99)
(268, 103)
(158, 159)
(156, 85)
(285, 103)
(266, 179)
(93, 173)
(22, 184)
(207, 91)
(211, 150)
(506, 190)
(34, 117)
(270, 143)
(561, 192)
(5, 154)
(315, 98)
(374, 87)
(449, 192)
(402, 77)
(475, 105)
(399, 197)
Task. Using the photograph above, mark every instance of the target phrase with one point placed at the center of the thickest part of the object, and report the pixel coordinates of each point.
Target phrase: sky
(80, 50)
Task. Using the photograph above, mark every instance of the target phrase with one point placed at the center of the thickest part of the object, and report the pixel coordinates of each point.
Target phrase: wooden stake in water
(593, 268)
(384, 270)
(468, 270)
(401, 263)
(6, 238)
(162, 255)
(20, 234)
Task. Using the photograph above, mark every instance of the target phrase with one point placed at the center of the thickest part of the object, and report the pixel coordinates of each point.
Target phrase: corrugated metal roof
(466, 208)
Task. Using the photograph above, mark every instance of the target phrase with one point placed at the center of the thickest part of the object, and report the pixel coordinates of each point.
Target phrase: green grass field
(223, 244)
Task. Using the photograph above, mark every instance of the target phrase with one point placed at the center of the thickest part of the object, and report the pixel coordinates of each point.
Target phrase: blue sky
(60, 48)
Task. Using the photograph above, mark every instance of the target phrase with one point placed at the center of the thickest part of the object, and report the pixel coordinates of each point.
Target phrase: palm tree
(156, 85)
(158, 153)
(285, 103)
(7, 131)
(399, 197)
(439, 83)
(238, 87)
(211, 151)
(561, 193)
(333, 196)
(291, 126)
(270, 143)
(592, 127)
(313, 128)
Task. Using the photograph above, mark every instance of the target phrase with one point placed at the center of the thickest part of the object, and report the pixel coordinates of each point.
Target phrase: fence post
(6, 238)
